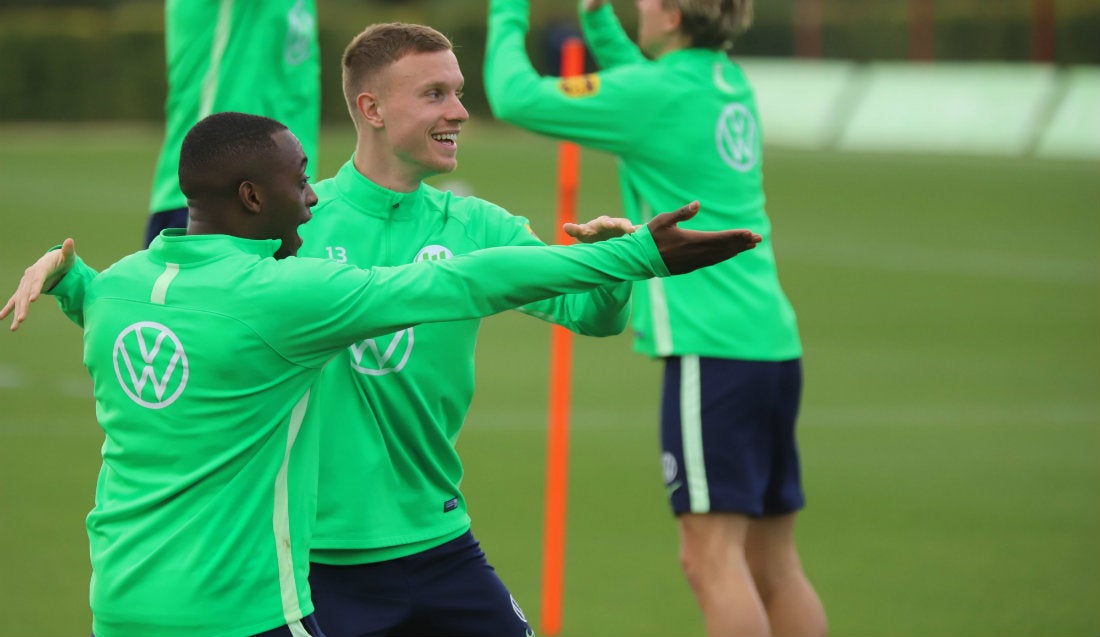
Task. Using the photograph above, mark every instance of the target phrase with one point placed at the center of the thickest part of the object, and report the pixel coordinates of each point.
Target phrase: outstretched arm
(604, 311)
(40, 277)
(685, 251)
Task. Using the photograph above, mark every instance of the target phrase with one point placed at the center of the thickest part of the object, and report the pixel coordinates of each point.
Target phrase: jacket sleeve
(606, 39)
(71, 289)
(353, 304)
(598, 110)
(603, 311)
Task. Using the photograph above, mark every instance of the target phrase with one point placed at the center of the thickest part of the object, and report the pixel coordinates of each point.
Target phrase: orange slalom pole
(1042, 30)
(561, 381)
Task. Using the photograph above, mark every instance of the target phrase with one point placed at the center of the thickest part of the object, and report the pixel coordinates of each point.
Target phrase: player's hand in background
(592, 5)
(688, 250)
(599, 229)
(38, 278)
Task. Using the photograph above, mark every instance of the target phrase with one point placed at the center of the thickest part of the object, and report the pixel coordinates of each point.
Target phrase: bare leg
(793, 606)
(712, 553)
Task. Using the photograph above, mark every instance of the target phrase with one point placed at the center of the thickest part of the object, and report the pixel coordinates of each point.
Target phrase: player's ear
(249, 194)
(675, 20)
(370, 109)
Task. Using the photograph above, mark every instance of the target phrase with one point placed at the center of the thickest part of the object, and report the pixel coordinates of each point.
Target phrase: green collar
(368, 197)
(174, 245)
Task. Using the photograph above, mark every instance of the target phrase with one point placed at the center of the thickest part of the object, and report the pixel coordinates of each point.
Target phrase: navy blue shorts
(447, 591)
(728, 435)
(164, 219)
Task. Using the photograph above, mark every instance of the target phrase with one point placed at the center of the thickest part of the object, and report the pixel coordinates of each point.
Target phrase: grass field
(950, 310)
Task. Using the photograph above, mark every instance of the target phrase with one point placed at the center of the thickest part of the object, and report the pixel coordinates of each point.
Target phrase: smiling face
(417, 112)
(285, 194)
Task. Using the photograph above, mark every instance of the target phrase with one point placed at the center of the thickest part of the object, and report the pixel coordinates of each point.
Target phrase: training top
(257, 57)
(684, 127)
(202, 351)
(390, 408)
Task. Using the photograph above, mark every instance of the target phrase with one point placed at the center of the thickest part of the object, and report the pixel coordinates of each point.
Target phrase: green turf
(950, 310)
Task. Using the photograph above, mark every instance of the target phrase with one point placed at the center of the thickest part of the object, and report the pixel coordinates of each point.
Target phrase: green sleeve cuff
(71, 289)
(644, 236)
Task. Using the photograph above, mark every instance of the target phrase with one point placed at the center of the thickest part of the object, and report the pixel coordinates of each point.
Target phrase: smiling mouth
(450, 139)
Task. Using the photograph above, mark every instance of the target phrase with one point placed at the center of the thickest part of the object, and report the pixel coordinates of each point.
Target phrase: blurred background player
(252, 56)
(683, 123)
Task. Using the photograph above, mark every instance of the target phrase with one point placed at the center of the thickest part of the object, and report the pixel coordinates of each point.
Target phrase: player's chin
(444, 166)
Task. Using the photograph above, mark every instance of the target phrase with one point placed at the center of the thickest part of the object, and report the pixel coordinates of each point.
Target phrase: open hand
(39, 278)
(599, 229)
(688, 250)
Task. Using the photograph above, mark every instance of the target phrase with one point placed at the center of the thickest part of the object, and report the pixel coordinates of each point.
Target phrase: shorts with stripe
(728, 435)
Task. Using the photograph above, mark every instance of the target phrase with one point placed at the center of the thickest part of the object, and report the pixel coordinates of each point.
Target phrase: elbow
(611, 327)
(503, 107)
(508, 97)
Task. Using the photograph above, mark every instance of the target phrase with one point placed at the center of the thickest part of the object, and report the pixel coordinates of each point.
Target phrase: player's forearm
(604, 311)
(496, 279)
(71, 289)
(606, 39)
(509, 75)
(576, 110)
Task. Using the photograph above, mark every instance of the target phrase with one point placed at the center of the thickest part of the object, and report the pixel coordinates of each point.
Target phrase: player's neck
(385, 172)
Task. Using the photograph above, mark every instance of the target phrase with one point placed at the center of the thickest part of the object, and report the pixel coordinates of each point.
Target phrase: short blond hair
(713, 24)
(379, 46)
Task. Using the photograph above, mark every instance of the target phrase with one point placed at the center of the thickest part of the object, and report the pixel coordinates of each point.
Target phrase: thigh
(719, 435)
(360, 600)
(457, 593)
(784, 492)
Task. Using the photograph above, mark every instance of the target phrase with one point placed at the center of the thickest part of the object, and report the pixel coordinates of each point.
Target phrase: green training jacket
(390, 408)
(253, 56)
(683, 127)
(202, 351)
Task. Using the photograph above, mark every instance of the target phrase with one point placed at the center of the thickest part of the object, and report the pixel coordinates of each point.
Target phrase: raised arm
(587, 109)
(604, 34)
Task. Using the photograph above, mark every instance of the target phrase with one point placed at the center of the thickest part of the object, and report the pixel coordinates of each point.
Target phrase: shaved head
(223, 150)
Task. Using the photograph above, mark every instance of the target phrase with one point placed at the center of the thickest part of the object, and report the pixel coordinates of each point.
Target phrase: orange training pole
(922, 30)
(807, 28)
(1042, 30)
(561, 380)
